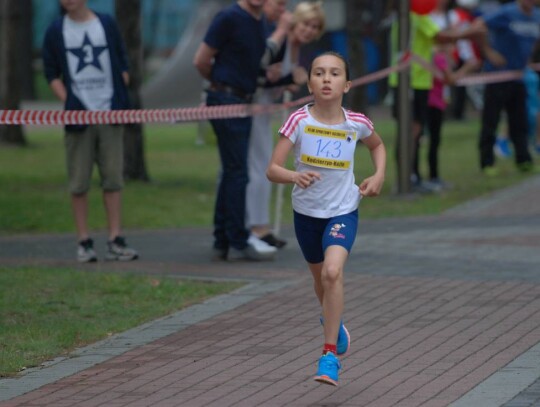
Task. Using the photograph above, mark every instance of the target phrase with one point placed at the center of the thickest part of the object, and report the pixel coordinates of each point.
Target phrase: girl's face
(328, 79)
(307, 31)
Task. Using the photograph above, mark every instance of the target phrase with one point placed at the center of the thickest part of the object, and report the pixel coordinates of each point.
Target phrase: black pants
(435, 121)
(510, 96)
(419, 106)
(459, 98)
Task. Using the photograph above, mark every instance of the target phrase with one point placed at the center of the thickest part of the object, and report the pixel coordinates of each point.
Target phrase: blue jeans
(230, 209)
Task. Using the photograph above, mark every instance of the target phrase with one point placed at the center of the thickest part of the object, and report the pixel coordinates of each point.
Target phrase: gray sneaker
(117, 249)
(85, 251)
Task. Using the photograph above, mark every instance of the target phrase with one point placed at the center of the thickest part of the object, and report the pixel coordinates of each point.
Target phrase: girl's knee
(332, 273)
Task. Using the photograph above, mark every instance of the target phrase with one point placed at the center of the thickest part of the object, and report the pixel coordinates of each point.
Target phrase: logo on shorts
(335, 231)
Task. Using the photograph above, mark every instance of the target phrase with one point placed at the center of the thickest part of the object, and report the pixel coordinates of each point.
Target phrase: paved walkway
(442, 311)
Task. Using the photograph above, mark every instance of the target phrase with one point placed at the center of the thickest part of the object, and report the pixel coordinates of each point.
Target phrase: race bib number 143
(328, 148)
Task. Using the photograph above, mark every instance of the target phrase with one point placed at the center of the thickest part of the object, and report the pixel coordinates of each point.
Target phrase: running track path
(441, 310)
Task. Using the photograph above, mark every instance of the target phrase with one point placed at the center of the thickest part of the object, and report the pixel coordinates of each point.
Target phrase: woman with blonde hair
(307, 26)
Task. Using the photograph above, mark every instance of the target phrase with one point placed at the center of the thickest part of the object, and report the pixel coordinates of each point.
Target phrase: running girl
(325, 197)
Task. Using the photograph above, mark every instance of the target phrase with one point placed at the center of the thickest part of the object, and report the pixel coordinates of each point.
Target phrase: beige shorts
(102, 145)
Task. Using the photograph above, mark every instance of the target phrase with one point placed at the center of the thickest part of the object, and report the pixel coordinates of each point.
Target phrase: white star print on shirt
(88, 54)
(89, 63)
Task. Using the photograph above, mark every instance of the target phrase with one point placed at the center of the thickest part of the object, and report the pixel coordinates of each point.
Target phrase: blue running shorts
(314, 235)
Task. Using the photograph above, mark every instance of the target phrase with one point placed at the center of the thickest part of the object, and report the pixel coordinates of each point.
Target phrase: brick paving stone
(435, 307)
(410, 358)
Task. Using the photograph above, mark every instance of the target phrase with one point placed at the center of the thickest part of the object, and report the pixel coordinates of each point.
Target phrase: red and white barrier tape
(475, 78)
(82, 117)
(46, 117)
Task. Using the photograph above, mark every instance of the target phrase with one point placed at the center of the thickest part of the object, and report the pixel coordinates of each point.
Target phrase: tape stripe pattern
(191, 114)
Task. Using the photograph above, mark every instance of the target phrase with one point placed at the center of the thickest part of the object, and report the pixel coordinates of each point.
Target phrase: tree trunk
(10, 78)
(128, 14)
(26, 50)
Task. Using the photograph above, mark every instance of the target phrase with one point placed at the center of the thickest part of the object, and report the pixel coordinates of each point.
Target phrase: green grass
(459, 165)
(34, 196)
(43, 91)
(48, 312)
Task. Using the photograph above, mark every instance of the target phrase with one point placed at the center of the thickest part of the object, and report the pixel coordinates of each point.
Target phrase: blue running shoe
(328, 370)
(343, 339)
(502, 148)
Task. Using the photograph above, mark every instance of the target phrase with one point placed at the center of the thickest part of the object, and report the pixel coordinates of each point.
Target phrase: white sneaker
(85, 251)
(256, 250)
(117, 249)
(260, 245)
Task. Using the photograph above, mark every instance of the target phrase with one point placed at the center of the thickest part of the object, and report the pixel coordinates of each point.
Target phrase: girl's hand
(306, 179)
(371, 186)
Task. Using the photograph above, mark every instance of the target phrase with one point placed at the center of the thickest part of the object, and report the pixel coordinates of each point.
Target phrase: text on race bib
(328, 148)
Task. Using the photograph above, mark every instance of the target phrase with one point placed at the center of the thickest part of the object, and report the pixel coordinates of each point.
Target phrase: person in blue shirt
(511, 32)
(229, 58)
(85, 65)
